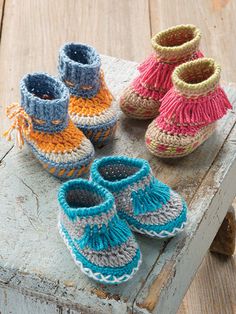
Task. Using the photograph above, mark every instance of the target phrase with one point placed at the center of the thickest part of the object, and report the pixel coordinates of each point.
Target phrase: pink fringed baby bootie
(189, 110)
(174, 46)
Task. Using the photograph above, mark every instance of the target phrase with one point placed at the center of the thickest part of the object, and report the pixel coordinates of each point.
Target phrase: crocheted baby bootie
(90, 105)
(189, 110)
(148, 205)
(42, 120)
(176, 45)
(100, 243)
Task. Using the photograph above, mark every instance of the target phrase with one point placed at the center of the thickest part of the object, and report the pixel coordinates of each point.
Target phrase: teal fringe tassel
(153, 197)
(116, 233)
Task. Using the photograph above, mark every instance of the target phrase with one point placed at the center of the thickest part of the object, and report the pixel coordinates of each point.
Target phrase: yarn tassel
(154, 79)
(149, 60)
(200, 111)
(153, 197)
(97, 239)
(157, 75)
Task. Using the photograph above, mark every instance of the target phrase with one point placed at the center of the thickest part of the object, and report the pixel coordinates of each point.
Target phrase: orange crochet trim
(22, 123)
(61, 142)
(91, 106)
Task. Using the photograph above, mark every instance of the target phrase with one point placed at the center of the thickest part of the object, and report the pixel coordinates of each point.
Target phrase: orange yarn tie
(22, 123)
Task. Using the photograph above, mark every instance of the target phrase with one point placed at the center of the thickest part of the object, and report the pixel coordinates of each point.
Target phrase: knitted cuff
(125, 171)
(177, 43)
(84, 199)
(79, 68)
(45, 99)
(196, 78)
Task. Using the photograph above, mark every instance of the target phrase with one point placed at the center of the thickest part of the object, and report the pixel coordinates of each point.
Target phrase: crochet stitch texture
(174, 46)
(100, 243)
(42, 120)
(148, 205)
(90, 105)
(189, 111)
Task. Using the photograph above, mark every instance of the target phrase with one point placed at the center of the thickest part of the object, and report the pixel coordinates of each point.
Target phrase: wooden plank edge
(33, 286)
(156, 293)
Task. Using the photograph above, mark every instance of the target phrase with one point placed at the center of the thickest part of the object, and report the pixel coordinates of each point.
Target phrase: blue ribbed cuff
(45, 99)
(79, 68)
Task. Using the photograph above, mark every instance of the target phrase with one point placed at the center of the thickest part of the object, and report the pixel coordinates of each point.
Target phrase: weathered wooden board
(35, 261)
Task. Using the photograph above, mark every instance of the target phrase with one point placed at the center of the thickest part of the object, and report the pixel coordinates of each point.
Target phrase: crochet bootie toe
(42, 120)
(100, 243)
(189, 110)
(90, 106)
(176, 45)
(149, 206)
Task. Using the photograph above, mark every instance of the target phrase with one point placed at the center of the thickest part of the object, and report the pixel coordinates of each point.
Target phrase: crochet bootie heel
(189, 110)
(176, 45)
(100, 243)
(90, 106)
(149, 206)
(42, 120)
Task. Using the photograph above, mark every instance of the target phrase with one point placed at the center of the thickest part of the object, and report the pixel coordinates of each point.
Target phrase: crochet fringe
(145, 92)
(153, 197)
(155, 73)
(105, 237)
(200, 111)
(172, 128)
(155, 76)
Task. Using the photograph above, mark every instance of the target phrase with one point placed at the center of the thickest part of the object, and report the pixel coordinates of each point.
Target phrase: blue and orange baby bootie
(90, 106)
(42, 121)
(100, 243)
(149, 206)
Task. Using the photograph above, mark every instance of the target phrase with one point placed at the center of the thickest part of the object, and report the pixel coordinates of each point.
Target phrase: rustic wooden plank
(33, 31)
(213, 288)
(29, 212)
(30, 49)
(215, 18)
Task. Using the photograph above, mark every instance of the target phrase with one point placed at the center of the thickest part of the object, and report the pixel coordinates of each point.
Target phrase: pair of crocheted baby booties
(61, 119)
(97, 216)
(180, 89)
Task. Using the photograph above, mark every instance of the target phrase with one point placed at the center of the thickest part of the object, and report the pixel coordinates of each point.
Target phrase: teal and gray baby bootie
(100, 242)
(149, 206)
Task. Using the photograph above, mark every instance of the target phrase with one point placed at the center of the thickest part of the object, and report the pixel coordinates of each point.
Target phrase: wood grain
(32, 34)
(213, 288)
(34, 30)
(215, 18)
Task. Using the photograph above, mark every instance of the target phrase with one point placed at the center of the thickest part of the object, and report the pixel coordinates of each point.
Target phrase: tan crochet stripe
(187, 143)
(176, 43)
(161, 137)
(138, 107)
(196, 78)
